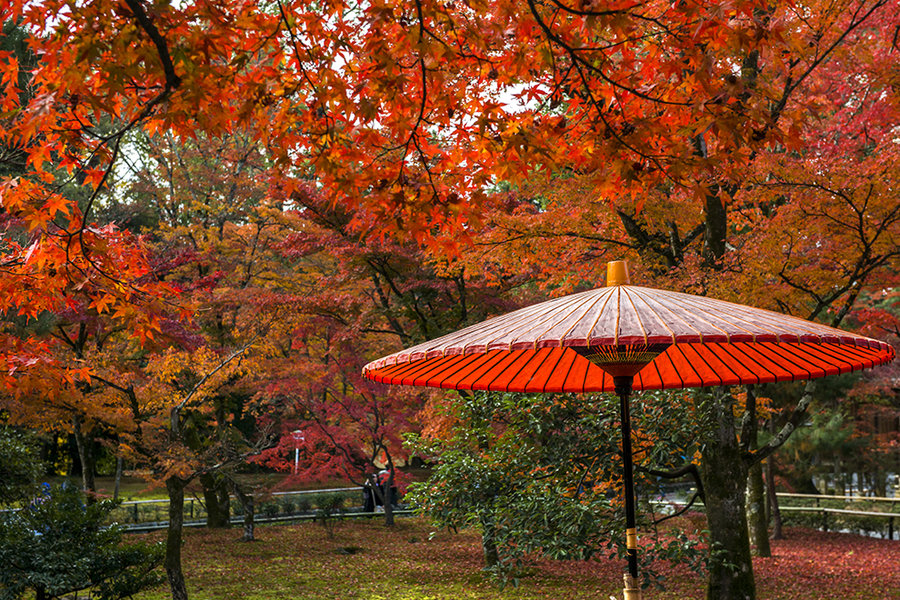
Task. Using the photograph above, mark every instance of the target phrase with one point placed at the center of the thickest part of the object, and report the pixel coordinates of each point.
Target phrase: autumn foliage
(666, 116)
(214, 213)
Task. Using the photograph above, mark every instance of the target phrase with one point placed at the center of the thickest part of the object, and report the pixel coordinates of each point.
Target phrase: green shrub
(287, 506)
(19, 467)
(58, 545)
(331, 507)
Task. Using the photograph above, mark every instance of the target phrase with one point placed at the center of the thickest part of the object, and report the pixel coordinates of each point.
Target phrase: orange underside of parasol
(699, 341)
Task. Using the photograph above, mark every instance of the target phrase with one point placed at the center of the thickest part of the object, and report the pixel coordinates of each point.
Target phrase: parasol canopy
(691, 341)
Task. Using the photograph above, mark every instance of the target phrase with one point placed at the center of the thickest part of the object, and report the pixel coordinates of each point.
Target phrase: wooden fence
(831, 512)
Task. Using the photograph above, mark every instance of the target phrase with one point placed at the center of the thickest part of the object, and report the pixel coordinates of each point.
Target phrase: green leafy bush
(57, 545)
(18, 468)
(270, 509)
(331, 507)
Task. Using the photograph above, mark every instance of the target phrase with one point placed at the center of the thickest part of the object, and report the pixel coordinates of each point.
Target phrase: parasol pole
(623, 378)
(623, 391)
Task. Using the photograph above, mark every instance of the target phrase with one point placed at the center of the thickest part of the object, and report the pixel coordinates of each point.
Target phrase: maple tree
(66, 281)
(203, 202)
(178, 401)
(803, 224)
(159, 402)
(350, 428)
(215, 235)
(637, 96)
(357, 298)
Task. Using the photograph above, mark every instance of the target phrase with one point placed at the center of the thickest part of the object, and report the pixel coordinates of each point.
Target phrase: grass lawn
(366, 561)
(130, 488)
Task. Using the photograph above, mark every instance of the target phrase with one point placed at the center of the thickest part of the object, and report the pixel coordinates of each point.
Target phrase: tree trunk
(249, 527)
(756, 512)
(86, 456)
(757, 520)
(716, 227)
(224, 494)
(772, 495)
(774, 509)
(120, 465)
(175, 488)
(382, 491)
(880, 482)
(724, 475)
(388, 506)
(839, 487)
(246, 501)
(488, 541)
(215, 496)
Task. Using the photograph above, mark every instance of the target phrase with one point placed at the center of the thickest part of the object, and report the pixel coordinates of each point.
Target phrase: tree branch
(683, 509)
(689, 469)
(794, 420)
(176, 411)
(747, 436)
(162, 48)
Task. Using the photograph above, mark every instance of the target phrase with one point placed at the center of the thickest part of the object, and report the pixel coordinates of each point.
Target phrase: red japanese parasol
(622, 338)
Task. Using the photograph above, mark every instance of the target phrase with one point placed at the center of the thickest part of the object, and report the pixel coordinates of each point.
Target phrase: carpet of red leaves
(408, 563)
(805, 565)
(816, 565)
